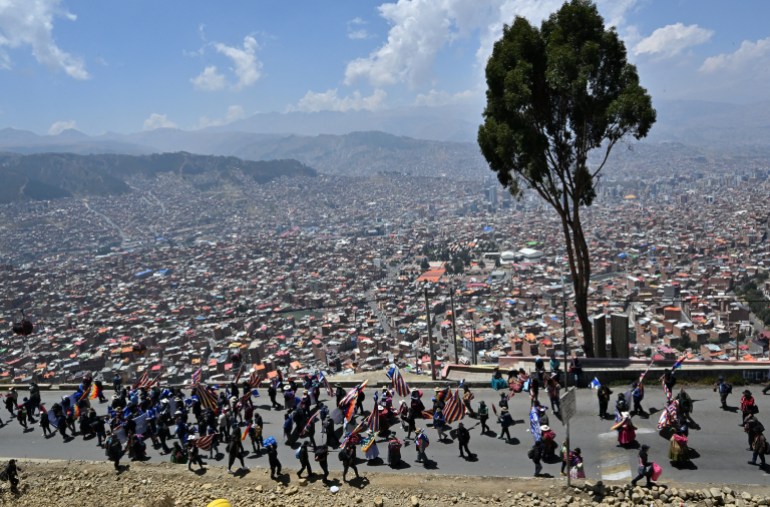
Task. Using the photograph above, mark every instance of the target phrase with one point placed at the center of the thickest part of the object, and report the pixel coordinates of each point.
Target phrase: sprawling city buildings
(335, 272)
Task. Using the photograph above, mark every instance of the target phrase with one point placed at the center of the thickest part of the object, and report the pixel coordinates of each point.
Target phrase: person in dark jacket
(506, 421)
(603, 394)
(349, 461)
(272, 458)
(235, 450)
(322, 458)
(536, 455)
(114, 450)
(463, 438)
(483, 416)
(12, 473)
(304, 460)
(272, 392)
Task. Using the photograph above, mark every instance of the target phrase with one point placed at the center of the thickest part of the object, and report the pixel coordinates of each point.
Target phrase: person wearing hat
(503, 403)
(747, 404)
(421, 443)
(483, 416)
(439, 423)
(724, 389)
(506, 421)
(645, 467)
(548, 436)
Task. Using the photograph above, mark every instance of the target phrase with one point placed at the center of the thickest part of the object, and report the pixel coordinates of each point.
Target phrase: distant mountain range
(56, 175)
(418, 141)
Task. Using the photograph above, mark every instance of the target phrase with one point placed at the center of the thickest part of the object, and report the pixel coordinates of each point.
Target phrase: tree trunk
(580, 269)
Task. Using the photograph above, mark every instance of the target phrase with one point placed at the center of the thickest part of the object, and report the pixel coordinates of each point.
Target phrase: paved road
(721, 442)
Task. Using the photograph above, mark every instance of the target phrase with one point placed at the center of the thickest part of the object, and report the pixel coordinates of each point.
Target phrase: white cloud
(329, 100)
(357, 30)
(30, 23)
(245, 64)
(210, 79)
(420, 29)
(234, 113)
(441, 98)
(58, 127)
(751, 55)
(158, 121)
(671, 40)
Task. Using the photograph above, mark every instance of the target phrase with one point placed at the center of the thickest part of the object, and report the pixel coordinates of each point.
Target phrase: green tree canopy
(554, 94)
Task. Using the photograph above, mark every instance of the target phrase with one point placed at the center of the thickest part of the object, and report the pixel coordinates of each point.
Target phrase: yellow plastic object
(220, 502)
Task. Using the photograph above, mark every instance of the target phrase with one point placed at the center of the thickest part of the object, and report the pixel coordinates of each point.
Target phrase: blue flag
(534, 424)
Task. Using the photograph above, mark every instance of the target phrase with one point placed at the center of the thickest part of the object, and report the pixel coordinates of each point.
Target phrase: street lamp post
(454, 328)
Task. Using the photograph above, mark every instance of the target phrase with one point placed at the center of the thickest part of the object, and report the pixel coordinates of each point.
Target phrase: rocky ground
(86, 484)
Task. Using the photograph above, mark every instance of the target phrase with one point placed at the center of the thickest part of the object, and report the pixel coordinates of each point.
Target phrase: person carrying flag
(421, 443)
(193, 453)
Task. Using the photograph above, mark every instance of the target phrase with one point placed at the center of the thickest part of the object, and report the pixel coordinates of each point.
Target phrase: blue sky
(126, 66)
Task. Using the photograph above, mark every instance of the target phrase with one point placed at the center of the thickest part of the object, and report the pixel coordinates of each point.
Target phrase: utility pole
(566, 352)
(430, 337)
(473, 338)
(454, 328)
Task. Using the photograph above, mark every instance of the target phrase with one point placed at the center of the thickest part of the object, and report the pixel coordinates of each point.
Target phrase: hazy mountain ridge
(55, 175)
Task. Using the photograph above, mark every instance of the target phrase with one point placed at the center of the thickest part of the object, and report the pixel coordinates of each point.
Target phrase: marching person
(304, 460)
(603, 394)
(645, 467)
(463, 438)
(506, 421)
(235, 450)
(724, 390)
(272, 458)
(467, 397)
(322, 458)
(483, 417)
(747, 404)
(348, 459)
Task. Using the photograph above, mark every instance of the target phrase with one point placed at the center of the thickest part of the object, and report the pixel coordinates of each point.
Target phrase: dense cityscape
(332, 272)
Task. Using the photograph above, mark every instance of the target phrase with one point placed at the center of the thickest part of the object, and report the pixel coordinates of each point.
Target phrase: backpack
(759, 427)
(343, 455)
(725, 388)
(531, 453)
